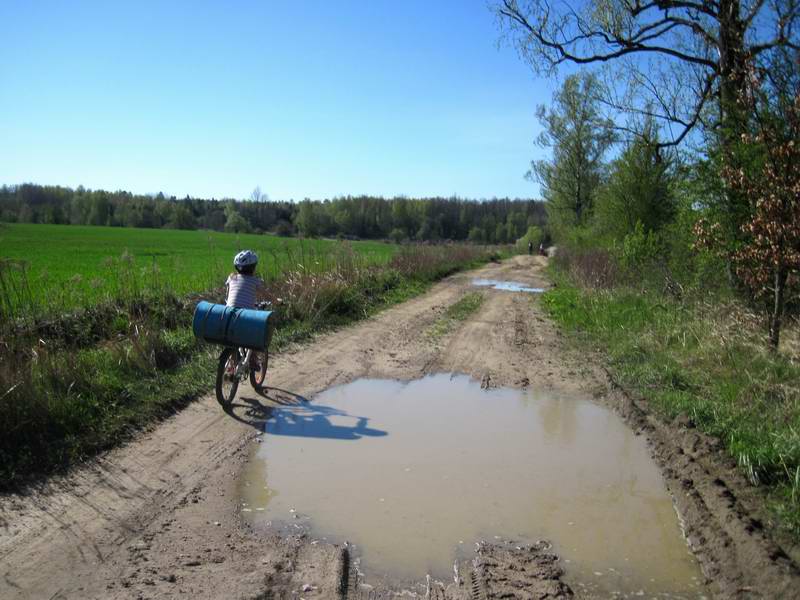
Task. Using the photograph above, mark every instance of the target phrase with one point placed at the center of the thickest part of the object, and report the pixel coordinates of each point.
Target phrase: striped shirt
(242, 290)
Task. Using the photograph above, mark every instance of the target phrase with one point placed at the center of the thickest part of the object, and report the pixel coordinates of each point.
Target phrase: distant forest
(364, 217)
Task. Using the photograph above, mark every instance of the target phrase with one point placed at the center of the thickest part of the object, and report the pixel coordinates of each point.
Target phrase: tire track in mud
(499, 570)
(720, 511)
(160, 517)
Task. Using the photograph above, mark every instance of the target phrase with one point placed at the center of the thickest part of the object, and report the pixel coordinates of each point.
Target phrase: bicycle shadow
(280, 412)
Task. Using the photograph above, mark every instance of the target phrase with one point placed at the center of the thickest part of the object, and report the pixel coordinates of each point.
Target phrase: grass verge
(707, 361)
(458, 311)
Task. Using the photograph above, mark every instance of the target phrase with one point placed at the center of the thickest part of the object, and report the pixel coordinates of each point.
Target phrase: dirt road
(159, 518)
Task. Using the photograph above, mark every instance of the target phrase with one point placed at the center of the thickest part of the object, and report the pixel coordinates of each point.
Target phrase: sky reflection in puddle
(509, 286)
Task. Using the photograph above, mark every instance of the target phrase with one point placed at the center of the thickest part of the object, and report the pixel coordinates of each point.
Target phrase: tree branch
(625, 46)
(662, 5)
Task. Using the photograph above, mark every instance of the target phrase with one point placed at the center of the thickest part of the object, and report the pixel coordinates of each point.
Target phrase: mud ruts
(499, 570)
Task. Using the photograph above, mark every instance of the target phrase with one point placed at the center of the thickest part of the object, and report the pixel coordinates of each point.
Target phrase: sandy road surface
(159, 517)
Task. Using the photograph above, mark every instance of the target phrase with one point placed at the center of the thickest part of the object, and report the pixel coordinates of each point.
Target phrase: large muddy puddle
(414, 474)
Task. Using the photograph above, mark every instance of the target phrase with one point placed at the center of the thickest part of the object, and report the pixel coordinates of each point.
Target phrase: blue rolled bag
(235, 327)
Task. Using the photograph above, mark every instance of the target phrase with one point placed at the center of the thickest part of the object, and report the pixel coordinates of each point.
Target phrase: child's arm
(227, 287)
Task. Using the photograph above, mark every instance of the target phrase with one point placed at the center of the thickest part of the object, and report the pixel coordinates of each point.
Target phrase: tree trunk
(732, 71)
(779, 297)
(733, 93)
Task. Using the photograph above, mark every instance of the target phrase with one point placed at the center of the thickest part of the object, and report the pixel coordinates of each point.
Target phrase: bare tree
(258, 196)
(683, 63)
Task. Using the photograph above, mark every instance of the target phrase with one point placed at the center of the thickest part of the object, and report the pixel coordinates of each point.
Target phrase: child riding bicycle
(240, 292)
(241, 286)
(241, 326)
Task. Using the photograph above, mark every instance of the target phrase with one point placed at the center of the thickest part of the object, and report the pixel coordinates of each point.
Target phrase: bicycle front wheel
(227, 378)
(259, 362)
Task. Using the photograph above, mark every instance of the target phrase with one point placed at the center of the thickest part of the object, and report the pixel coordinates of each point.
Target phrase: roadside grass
(458, 311)
(83, 381)
(705, 359)
(50, 268)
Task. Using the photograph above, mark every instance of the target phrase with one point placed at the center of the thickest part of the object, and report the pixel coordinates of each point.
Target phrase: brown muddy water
(415, 473)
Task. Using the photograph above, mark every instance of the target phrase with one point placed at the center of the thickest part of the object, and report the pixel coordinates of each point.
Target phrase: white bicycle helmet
(245, 258)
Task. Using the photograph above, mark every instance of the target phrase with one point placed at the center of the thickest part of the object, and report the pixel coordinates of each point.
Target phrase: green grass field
(68, 265)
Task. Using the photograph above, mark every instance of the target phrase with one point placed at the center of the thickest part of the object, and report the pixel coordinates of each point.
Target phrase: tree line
(364, 217)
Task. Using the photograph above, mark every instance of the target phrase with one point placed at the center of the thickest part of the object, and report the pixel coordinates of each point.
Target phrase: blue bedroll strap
(267, 329)
(205, 320)
(231, 320)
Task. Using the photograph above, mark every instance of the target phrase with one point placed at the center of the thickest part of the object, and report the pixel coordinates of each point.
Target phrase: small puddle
(509, 286)
(415, 473)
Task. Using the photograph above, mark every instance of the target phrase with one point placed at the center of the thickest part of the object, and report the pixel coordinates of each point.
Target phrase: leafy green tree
(579, 137)
(99, 213)
(214, 219)
(639, 189)
(235, 222)
(476, 235)
(307, 220)
(182, 218)
(533, 235)
(345, 217)
(428, 231)
(402, 216)
(164, 211)
(517, 223)
(500, 233)
(27, 215)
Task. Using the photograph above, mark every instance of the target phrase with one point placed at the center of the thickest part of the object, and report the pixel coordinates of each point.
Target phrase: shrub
(640, 249)
(534, 235)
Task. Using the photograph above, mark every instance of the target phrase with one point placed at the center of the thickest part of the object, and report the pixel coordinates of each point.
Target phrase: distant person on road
(542, 251)
(530, 248)
(241, 287)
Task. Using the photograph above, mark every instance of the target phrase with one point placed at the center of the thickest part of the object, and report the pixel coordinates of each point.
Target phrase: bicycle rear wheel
(259, 361)
(227, 379)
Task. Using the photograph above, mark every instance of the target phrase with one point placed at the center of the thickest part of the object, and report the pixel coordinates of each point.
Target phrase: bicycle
(236, 365)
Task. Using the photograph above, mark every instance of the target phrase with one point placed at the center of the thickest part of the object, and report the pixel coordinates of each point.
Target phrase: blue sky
(305, 99)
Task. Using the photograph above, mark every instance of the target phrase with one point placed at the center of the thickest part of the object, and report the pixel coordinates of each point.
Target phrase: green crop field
(62, 266)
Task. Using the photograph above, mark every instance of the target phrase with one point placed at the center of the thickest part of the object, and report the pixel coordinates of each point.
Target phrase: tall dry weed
(594, 268)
